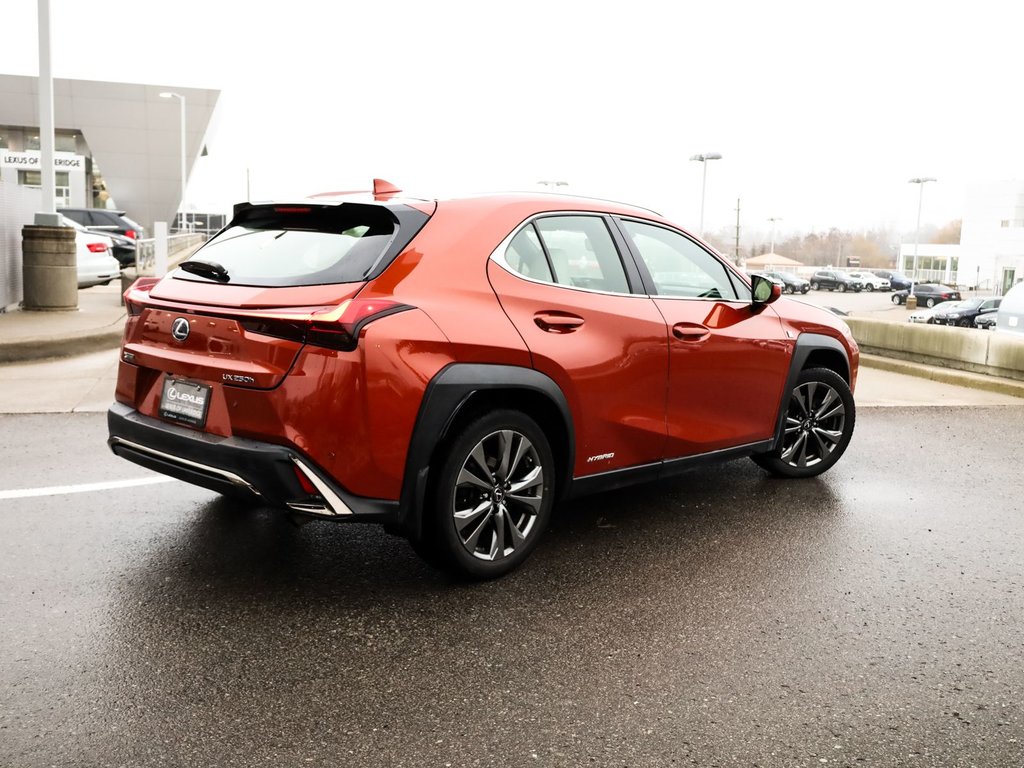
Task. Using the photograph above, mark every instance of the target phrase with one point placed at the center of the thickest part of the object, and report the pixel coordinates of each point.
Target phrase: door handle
(690, 331)
(557, 322)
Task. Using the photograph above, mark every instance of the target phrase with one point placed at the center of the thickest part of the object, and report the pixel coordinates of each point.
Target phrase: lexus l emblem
(180, 329)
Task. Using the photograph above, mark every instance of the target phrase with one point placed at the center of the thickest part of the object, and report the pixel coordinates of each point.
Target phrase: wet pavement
(869, 617)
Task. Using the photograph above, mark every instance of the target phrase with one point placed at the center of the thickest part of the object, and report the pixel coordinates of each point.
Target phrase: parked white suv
(871, 281)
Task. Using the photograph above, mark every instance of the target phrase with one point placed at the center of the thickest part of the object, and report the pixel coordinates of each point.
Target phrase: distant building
(118, 145)
(991, 251)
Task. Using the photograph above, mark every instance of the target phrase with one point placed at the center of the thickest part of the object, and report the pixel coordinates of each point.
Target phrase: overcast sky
(821, 111)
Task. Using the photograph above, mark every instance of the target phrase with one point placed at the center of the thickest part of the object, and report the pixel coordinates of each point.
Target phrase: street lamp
(773, 220)
(181, 99)
(921, 181)
(704, 182)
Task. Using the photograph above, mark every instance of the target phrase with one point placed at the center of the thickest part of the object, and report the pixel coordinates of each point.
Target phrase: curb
(47, 347)
(945, 375)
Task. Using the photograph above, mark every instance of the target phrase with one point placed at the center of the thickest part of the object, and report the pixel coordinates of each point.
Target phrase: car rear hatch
(276, 278)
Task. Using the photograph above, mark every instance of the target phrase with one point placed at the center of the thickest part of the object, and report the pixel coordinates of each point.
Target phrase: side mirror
(763, 291)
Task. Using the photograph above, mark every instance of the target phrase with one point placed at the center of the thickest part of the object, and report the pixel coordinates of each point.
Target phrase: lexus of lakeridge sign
(30, 161)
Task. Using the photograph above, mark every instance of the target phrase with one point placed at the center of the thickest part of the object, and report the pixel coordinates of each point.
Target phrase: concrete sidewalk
(96, 325)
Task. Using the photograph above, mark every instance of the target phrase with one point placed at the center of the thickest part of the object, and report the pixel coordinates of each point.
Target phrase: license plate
(185, 402)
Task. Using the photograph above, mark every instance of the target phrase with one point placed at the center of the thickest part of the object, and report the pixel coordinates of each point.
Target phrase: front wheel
(896, 299)
(493, 496)
(870, 287)
(819, 422)
(790, 289)
(815, 286)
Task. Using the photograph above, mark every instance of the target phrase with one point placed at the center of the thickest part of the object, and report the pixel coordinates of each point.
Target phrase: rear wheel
(870, 287)
(818, 426)
(493, 496)
(842, 287)
(815, 286)
(930, 303)
(790, 289)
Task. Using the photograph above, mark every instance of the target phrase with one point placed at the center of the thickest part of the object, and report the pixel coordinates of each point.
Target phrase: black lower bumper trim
(234, 466)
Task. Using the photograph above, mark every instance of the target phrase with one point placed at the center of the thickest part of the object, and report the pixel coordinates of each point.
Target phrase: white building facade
(990, 256)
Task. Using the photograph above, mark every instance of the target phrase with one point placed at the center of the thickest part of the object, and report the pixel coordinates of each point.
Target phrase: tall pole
(737, 256)
(703, 158)
(46, 140)
(771, 249)
(920, 181)
(181, 100)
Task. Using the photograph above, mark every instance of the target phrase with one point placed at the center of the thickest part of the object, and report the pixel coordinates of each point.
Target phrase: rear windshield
(291, 245)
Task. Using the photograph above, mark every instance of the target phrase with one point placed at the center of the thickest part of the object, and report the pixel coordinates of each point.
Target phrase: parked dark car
(123, 248)
(928, 294)
(835, 281)
(897, 280)
(105, 221)
(790, 282)
(964, 312)
(450, 368)
(986, 321)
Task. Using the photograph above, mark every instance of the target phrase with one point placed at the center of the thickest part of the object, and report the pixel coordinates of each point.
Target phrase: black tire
(477, 527)
(805, 289)
(965, 322)
(897, 299)
(930, 303)
(815, 286)
(790, 289)
(870, 287)
(819, 421)
(842, 287)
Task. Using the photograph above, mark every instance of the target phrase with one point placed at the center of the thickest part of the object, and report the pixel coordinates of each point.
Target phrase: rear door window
(576, 251)
(301, 245)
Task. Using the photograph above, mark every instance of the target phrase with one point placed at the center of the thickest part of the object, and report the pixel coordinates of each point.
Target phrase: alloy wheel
(815, 424)
(498, 495)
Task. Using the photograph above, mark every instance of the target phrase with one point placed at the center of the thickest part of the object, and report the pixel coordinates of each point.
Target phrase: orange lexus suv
(452, 368)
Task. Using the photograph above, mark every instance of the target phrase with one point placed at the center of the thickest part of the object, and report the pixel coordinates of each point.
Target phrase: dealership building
(118, 145)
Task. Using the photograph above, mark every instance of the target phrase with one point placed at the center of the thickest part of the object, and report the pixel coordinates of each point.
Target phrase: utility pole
(737, 257)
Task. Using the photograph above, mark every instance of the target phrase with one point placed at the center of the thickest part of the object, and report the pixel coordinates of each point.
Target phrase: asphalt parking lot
(871, 617)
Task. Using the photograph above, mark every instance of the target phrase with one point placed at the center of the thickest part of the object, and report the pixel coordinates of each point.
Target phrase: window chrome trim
(498, 255)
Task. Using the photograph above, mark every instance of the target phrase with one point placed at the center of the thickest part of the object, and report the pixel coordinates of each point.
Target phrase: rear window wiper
(209, 269)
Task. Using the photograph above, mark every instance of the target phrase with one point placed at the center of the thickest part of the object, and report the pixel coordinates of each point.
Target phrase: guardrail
(145, 250)
(964, 349)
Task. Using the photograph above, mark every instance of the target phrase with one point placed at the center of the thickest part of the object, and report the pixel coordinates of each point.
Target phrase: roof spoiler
(382, 190)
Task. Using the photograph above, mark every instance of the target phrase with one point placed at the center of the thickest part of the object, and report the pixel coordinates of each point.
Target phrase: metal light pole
(921, 181)
(48, 211)
(773, 220)
(704, 182)
(181, 99)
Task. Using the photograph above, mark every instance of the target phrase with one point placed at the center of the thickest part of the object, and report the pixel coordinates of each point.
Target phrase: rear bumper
(235, 465)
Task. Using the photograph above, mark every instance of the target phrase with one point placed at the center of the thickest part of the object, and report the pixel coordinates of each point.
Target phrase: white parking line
(58, 490)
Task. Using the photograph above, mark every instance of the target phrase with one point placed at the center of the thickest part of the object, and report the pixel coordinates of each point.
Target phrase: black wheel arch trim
(806, 344)
(444, 399)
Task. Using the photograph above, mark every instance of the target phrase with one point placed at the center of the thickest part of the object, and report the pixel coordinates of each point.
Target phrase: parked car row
(789, 282)
(122, 231)
(93, 256)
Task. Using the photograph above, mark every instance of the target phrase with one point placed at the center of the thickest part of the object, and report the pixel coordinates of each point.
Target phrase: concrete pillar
(50, 269)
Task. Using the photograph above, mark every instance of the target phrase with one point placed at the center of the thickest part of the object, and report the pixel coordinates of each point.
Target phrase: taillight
(336, 328)
(136, 294)
(97, 247)
(131, 233)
